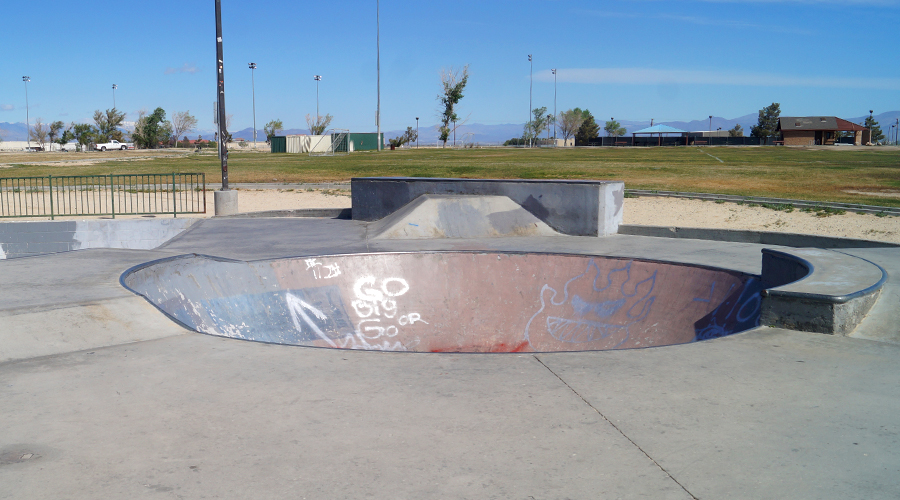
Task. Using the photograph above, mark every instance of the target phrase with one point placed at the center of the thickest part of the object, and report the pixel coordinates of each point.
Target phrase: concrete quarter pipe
(452, 301)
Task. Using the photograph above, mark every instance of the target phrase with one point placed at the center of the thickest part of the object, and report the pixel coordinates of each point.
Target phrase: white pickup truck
(113, 144)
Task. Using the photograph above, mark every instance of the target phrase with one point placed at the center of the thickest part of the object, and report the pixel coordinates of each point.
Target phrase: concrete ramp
(460, 216)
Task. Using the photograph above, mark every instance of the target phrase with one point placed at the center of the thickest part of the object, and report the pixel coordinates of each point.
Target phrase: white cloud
(186, 68)
(649, 76)
(7, 107)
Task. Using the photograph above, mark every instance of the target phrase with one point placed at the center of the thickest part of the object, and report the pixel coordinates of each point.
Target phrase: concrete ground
(103, 396)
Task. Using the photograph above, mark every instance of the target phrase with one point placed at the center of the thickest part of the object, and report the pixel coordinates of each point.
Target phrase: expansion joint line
(614, 426)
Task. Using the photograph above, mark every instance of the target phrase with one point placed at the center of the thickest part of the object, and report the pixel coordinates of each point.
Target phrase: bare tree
(38, 132)
(453, 83)
(182, 123)
(318, 126)
(569, 122)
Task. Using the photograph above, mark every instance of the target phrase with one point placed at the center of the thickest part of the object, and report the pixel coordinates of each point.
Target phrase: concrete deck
(101, 395)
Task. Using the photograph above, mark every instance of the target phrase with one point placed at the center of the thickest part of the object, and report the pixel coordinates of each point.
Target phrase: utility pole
(225, 199)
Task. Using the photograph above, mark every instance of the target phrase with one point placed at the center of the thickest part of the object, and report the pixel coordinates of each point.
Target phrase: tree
(83, 133)
(398, 141)
(107, 124)
(768, 121)
(318, 126)
(588, 130)
(737, 131)
(149, 130)
(182, 123)
(614, 128)
(411, 135)
(453, 83)
(38, 132)
(876, 134)
(536, 125)
(272, 128)
(568, 122)
(55, 129)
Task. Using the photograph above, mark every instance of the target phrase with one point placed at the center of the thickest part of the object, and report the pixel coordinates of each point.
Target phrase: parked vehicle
(113, 144)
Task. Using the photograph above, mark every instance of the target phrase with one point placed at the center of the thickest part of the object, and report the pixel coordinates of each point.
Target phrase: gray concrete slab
(197, 416)
(765, 414)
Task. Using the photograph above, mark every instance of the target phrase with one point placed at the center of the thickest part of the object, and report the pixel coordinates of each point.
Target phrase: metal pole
(378, 70)
(417, 132)
(114, 87)
(710, 130)
(554, 102)
(317, 78)
(220, 78)
(27, 79)
(253, 89)
(530, 87)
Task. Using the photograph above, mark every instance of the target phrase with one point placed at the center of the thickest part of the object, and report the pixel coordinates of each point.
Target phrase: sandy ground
(651, 211)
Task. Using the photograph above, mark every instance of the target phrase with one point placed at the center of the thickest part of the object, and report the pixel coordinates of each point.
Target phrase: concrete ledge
(817, 290)
(26, 239)
(326, 213)
(746, 236)
(576, 208)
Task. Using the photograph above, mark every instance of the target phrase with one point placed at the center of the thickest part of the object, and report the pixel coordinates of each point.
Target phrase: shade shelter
(660, 130)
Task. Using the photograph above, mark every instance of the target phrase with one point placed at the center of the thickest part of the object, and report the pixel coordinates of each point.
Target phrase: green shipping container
(279, 144)
(367, 141)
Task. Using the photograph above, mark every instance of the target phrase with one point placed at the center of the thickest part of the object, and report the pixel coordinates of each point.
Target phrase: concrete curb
(748, 236)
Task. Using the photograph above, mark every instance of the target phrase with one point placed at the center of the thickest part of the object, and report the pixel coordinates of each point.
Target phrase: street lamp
(554, 101)
(317, 78)
(114, 87)
(710, 125)
(871, 122)
(897, 131)
(530, 88)
(27, 79)
(417, 132)
(252, 67)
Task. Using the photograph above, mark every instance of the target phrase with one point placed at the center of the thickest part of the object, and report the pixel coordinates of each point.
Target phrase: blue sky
(629, 59)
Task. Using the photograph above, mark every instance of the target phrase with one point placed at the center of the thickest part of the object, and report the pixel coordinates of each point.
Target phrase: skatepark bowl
(473, 302)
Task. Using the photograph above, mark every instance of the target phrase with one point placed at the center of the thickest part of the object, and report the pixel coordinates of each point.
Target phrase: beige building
(818, 130)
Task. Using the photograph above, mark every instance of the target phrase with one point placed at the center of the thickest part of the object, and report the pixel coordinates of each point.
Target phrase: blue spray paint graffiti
(738, 312)
(596, 311)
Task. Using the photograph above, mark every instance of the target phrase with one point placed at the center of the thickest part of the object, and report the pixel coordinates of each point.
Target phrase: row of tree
(150, 130)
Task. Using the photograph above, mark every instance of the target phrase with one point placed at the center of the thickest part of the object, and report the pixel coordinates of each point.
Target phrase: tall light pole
(710, 126)
(220, 91)
(871, 122)
(530, 88)
(114, 87)
(417, 132)
(378, 70)
(897, 131)
(317, 78)
(252, 67)
(554, 102)
(27, 79)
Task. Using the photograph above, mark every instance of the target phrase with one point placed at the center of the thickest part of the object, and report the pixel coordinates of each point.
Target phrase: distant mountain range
(495, 134)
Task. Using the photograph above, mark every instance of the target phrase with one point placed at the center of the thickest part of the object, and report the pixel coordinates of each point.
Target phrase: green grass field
(823, 174)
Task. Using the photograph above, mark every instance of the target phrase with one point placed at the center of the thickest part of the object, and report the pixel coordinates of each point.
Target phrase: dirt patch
(880, 194)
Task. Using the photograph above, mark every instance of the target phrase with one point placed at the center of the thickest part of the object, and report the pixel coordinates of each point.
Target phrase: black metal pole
(220, 79)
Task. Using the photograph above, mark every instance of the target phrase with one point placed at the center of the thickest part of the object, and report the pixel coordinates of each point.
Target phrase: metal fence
(110, 195)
